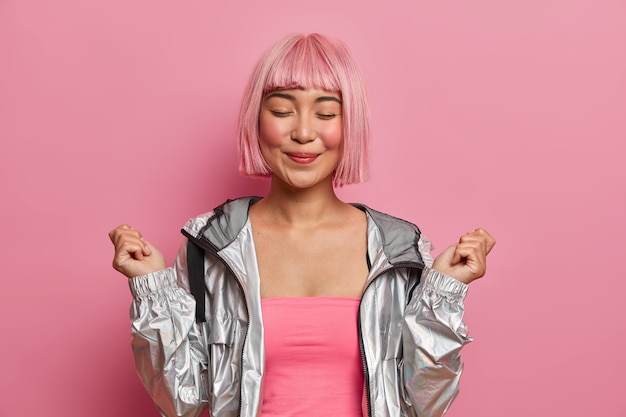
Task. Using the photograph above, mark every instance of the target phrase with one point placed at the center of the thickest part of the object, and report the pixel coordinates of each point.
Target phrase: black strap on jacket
(195, 266)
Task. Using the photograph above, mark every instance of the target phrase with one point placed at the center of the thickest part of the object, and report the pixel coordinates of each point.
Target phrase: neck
(306, 207)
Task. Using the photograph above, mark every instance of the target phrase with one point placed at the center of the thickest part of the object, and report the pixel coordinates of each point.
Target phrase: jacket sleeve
(167, 343)
(433, 335)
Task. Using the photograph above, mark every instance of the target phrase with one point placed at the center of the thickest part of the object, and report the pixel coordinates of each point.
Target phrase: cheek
(270, 132)
(332, 136)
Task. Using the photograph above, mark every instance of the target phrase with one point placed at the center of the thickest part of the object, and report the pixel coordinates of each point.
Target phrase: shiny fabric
(410, 324)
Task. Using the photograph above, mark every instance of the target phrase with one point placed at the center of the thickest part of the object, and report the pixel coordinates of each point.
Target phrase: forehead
(301, 70)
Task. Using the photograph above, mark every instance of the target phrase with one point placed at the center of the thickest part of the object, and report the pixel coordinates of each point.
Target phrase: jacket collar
(397, 238)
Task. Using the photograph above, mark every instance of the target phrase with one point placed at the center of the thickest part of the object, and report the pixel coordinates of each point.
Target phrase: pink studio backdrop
(502, 114)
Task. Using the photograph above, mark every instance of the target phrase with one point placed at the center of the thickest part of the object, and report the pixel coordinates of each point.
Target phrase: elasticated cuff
(445, 285)
(152, 283)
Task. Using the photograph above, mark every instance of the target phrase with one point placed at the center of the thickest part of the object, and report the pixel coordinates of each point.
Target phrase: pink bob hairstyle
(308, 61)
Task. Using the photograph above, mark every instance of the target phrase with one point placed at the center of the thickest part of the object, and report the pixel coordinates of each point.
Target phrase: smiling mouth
(303, 158)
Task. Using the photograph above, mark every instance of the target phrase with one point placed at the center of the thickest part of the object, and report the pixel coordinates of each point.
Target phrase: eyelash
(322, 116)
(280, 113)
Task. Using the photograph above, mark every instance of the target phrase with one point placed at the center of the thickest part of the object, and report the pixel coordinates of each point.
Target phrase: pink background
(503, 114)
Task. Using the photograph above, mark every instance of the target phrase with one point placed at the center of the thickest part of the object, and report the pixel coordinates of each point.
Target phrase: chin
(305, 183)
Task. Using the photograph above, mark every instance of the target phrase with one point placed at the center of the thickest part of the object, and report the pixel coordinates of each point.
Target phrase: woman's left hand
(467, 260)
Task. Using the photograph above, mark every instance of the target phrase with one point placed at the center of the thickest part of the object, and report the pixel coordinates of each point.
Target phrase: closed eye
(326, 116)
(280, 113)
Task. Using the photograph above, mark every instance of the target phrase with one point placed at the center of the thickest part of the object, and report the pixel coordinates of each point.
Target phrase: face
(300, 134)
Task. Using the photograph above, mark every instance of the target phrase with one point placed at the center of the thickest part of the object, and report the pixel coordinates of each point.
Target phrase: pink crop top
(313, 363)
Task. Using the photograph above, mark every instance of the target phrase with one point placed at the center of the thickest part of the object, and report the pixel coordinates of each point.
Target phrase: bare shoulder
(351, 216)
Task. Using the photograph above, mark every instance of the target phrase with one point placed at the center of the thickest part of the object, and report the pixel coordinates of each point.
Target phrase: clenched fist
(133, 255)
(467, 260)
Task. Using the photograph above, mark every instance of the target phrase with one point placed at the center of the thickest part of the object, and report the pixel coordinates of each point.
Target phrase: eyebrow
(286, 96)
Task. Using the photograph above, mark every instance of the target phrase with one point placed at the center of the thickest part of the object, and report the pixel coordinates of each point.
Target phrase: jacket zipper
(360, 332)
(208, 246)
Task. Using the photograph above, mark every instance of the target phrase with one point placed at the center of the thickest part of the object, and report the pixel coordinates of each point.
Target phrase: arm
(170, 356)
(167, 343)
(434, 331)
(433, 335)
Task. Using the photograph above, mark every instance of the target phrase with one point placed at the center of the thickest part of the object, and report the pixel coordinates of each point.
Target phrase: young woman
(304, 305)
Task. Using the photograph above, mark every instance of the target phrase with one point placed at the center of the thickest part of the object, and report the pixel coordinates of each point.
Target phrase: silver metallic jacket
(410, 324)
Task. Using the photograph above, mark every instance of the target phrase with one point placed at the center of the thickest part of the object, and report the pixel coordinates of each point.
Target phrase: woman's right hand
(133, 255)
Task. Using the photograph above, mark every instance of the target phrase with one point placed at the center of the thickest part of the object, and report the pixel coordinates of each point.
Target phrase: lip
(303, 158)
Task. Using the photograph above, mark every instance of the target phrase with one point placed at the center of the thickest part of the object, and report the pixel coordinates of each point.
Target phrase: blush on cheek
(332, 138)
(270, 133)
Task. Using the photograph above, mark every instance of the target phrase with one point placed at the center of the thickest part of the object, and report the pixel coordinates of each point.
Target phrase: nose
(304, 130)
